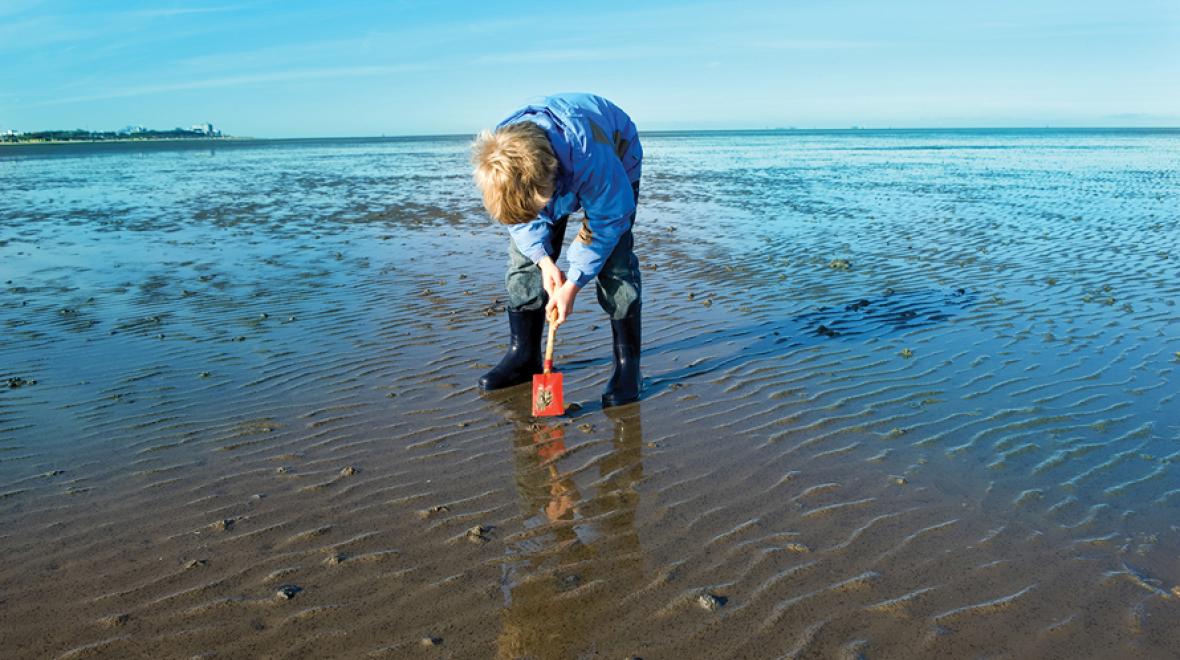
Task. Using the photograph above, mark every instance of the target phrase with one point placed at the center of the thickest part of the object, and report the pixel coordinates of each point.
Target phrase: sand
(907, 396)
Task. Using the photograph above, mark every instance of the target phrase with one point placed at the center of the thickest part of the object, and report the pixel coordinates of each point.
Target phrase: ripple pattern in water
(908, 394)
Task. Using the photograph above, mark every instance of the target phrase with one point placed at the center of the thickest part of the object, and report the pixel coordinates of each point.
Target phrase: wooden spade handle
(549, 345)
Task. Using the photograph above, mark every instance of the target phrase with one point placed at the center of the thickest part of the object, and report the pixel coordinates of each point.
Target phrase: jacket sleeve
(609, 202)
(530, 238)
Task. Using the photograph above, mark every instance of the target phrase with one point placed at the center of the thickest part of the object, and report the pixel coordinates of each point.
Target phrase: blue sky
(290, 68)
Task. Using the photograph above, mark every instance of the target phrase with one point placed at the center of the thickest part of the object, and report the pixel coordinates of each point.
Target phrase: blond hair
(515, 169)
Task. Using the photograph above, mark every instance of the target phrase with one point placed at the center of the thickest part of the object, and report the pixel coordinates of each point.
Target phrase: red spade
(547, 386)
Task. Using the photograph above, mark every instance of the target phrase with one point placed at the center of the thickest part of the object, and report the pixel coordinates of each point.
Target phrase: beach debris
(16, 382)
(479, 534)
(431, 641)
(796, 548)
(288, 591)
(840, 264)
(349, 471)
(115, 620)
(426, 514)
(710, 601)
(195, 563)
(906, 353)
(223, 525)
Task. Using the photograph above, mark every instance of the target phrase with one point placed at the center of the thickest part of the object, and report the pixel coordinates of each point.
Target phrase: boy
(544, 162)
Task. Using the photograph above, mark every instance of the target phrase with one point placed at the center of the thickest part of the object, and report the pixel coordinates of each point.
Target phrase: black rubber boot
(624, 384)
(523, 358)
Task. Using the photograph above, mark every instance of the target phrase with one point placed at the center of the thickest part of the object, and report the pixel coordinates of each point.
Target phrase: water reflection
(579, 553)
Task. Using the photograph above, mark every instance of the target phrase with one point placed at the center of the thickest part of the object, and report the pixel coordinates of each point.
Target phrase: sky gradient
(303, 69)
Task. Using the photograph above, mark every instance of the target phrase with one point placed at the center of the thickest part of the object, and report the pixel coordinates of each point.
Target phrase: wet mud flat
(907, 395)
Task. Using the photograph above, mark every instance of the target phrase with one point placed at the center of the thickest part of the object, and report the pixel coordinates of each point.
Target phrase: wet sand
(907, 396)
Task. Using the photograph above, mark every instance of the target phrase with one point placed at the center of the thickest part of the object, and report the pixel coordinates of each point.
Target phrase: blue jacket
(599, 157)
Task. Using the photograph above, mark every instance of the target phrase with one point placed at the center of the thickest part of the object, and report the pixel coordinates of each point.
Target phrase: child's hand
(563, 301)
(551, 276)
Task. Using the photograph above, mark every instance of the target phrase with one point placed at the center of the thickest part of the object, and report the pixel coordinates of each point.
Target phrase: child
(544, 162)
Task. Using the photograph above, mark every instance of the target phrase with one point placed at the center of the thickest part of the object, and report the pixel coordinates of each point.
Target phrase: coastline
(226, 138)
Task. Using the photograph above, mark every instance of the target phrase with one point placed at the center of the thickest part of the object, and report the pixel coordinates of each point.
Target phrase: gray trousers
(618, 282)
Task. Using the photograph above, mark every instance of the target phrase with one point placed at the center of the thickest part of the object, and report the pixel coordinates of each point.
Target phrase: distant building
(203, 129)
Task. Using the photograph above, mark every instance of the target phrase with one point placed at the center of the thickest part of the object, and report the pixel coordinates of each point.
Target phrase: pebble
(288, 591)
(116, 620)
(479, 534)
(433, 511)
(710, 602)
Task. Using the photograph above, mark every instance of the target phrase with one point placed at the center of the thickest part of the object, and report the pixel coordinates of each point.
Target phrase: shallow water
(908, 394)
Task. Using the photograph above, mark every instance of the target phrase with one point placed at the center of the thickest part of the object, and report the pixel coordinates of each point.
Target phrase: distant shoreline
(226, 138)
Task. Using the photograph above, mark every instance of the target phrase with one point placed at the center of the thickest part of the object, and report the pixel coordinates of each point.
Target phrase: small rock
(349, 471)
(287, 591)
(479, 534)
(195, 563)
(116, 620)
(425, 514)
(710, 602)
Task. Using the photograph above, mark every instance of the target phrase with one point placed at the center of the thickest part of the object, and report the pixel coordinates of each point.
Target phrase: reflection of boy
(542, 163)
